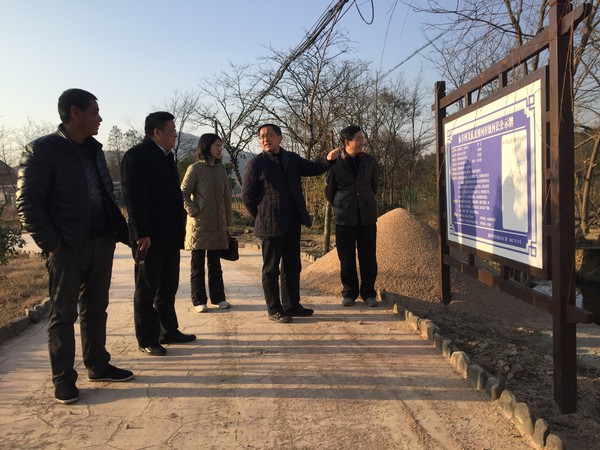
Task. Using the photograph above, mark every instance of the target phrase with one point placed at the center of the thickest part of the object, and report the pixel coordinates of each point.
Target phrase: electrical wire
(362, 17)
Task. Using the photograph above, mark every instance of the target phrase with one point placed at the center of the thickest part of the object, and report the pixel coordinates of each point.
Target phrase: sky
(134, 54)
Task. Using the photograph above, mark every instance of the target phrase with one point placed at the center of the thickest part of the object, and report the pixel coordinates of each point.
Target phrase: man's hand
(143, 243)
(334, 153)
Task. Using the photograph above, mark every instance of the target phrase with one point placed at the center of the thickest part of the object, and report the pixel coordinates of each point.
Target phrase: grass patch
(23, 284)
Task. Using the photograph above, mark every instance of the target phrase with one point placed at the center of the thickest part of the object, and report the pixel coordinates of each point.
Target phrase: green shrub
(10, 243)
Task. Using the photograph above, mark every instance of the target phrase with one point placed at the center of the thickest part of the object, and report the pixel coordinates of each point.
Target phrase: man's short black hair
(274, 127)
(158, 120)
(73, 97)
(348, 133)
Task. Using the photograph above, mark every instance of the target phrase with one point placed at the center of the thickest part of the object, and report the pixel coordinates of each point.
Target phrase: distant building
(8, 184)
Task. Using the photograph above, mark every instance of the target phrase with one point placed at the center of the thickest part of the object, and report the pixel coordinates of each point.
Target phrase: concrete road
(346, 378)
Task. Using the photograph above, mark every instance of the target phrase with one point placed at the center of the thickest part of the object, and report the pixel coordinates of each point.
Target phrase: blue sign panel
(493, 168)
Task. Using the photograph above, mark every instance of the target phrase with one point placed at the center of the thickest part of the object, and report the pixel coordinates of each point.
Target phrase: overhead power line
(413, 54)
(331, 15)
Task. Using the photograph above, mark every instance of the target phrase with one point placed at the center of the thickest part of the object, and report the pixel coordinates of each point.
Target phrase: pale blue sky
(133, 54)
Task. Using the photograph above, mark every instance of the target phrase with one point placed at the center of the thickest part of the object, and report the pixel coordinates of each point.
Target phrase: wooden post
(562, 199)
(444, 273)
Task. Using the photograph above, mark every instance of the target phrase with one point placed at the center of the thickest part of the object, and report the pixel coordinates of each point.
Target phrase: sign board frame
(558, 241)
(494, 168)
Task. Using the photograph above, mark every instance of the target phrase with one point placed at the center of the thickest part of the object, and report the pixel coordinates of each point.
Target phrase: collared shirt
(165, 151)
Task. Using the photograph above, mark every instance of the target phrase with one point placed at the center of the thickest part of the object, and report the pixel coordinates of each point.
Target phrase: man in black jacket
(272, 194)
(154, 202)
(65, 201)
(351, 188)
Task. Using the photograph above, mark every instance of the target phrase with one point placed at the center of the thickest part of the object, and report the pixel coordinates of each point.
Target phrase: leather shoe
(154, 350)
(177, 338)
(300, 311)
(279, 317)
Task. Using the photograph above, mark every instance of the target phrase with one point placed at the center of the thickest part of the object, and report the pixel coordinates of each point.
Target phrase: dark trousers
(348, 240)
(156, 283)
(79, 279)
(284, 250)
(216, 290)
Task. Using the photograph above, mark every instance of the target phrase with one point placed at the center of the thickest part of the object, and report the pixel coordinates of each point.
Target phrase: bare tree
(183, 105)
(310, 102)
(7, 178)
(419, 137)
(115, 139)
(228, 108)
(132, 137)
(587, 189)
(31, 131)
(480, 32)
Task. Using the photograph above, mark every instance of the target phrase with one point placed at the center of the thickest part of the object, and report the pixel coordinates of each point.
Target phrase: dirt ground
(509, 338)
(346, 378)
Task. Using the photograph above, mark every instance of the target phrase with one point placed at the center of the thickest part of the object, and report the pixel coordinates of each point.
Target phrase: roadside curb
(32, 315)
(519, 412)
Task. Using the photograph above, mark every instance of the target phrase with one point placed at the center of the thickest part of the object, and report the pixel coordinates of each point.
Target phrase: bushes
(10, 243)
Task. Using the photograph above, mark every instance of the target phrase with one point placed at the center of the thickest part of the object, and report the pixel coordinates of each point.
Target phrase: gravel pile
(406, 256)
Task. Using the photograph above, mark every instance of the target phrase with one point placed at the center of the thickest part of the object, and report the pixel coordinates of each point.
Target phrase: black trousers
(348, 240)
(216, 290)
(156, 283)
(79, 279)
(281, 256)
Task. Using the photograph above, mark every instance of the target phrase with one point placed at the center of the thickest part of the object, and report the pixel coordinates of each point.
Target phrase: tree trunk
(327, 229)
(585, 196)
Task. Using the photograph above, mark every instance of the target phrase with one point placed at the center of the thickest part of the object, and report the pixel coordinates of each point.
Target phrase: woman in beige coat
(207, 201)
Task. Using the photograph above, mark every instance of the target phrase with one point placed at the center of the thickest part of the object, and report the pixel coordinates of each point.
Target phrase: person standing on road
(207, 201)
(66, 203)
(152, 195)
(272, 194)
(351, 188)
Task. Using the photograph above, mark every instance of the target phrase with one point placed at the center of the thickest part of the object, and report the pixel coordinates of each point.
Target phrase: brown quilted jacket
(207, 201)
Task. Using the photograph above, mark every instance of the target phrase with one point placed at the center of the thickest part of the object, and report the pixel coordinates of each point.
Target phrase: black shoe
(177, 338)
(112, 373)
(371, 302)
(280, 317)
(154, 350)
(66, 392)
(300, 311)
(347, 301)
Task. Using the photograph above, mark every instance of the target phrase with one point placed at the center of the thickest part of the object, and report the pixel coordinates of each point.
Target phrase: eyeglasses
(262, 137)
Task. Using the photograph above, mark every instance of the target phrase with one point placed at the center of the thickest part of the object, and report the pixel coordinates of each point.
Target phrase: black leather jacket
(350, 194)
(52, 194)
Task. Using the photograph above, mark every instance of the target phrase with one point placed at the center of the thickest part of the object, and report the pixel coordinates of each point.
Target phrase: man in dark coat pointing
(272, 194)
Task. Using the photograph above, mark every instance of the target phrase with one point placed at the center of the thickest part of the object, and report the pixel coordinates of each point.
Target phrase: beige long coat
(207, 201)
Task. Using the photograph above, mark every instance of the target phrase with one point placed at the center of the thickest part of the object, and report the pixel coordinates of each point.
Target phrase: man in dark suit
(272, 194)
(65, 201)
(154, 202)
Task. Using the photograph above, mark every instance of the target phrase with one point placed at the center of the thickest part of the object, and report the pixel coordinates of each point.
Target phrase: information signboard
(494, 172)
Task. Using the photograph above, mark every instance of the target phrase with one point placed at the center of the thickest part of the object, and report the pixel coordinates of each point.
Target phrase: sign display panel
(494, 177)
